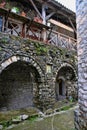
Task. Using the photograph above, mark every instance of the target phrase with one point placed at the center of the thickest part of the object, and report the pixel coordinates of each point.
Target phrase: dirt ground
(62, 121)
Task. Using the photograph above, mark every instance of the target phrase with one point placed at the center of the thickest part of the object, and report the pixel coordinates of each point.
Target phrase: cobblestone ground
(63, 121)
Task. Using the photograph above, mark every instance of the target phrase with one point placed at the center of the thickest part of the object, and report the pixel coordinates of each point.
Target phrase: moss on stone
(0, 48)
(4, 40)
(40, 49)
(6, 116)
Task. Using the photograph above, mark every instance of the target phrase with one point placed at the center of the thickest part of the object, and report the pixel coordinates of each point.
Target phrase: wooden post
(44, 22)
(23, 31)
(3, 24)
(44, 14)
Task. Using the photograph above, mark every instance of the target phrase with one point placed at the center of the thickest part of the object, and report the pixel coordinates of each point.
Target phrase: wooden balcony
(18, 25)
(61, 40)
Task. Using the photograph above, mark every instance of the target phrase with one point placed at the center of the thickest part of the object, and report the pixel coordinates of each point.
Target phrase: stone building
(81, 112)
(37, 54)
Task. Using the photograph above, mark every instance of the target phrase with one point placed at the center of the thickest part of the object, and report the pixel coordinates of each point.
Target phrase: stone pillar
(81, 112)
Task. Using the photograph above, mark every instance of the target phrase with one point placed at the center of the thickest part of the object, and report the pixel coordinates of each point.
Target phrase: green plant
(65, 108)
(33, 118)
(4, 40)
(15, 10)
(6, 123)
(40, 49)
(71, 99)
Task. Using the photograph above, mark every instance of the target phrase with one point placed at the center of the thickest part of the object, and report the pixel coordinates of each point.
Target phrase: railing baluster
(15, 27)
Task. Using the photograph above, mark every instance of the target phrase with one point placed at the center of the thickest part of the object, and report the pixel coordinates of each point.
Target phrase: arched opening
(18, 86)
(65, 83)
(61, 87)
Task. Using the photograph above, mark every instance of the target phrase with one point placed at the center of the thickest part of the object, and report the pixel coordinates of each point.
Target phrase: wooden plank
(48, 16)
(72, 25)
(61, 25)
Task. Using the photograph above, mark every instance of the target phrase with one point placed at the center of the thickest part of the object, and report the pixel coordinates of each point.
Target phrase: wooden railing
(61, 40)
(15, 24)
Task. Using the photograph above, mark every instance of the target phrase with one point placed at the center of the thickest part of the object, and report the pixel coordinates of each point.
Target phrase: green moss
(4, 40)
(40, 49)
(65, 108)
(6, 124)
(63, 121)
(33, 118)
(11, 114)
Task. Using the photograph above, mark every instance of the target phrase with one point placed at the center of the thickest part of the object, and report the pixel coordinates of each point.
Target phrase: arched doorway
(60, 89)
(65, 83)
(18, 86)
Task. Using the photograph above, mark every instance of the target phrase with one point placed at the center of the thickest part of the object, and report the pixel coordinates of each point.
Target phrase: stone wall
(81, 112)
(29, 63)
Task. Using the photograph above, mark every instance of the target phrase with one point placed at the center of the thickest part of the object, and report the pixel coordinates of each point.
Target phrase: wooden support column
(6, 20)
(44, 13)
(44, 21)
(3, 19)
(72, 25)
(75, 32)
(23, 32)
(51, 14)
(44, 35)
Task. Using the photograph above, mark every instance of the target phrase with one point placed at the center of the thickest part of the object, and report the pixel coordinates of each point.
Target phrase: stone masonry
(30, 72)
(81, 112)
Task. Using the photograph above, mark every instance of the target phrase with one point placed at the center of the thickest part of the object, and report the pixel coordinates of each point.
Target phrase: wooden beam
(35, 8)
(23, 32)
(33, 33)
(29, 25)
(14, 28)
(72, 25)
(6, 17)
(58, 11)
(51, 14)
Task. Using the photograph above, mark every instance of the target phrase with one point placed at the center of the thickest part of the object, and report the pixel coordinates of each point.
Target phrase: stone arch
(65, 81)
(13, 59)
(66, 65)
(26, 85)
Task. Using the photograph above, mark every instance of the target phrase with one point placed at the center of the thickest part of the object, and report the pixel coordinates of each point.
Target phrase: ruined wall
(81, 113)
(36, 63)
